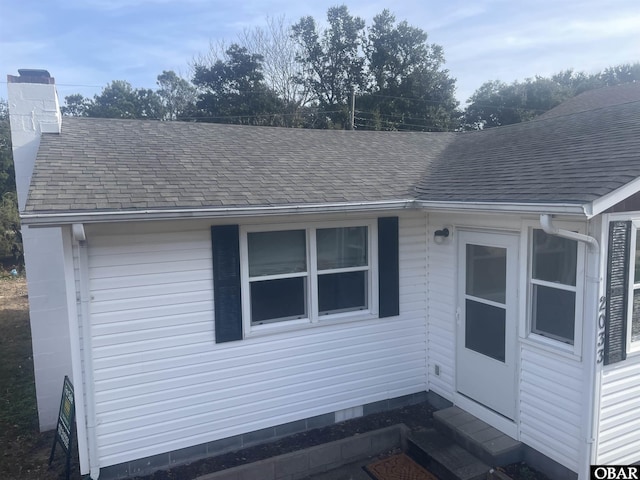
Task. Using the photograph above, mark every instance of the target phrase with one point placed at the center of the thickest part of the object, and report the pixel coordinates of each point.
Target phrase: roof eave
(508, 207)
(613, 198)
(67, 218)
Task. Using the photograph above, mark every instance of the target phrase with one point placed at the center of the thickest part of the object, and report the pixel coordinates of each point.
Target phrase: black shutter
(388, 267)
(615, 347)
(226, 282)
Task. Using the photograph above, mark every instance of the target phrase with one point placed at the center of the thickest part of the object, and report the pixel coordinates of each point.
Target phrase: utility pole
(353, 109)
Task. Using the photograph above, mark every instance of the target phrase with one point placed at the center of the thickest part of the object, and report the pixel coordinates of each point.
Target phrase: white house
(206, 284)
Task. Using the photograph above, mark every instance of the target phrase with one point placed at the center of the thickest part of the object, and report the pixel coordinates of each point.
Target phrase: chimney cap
(31, 75)
(33, 72)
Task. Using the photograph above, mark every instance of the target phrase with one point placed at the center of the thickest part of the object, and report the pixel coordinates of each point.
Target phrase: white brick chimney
(34, 110)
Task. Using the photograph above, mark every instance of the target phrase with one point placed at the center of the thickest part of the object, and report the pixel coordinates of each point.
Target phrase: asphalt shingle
(134, 164)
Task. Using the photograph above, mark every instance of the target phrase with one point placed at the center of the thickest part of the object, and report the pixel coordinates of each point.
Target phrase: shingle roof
(598, 98)
(574, 154)
(572, 158)
(107, 164)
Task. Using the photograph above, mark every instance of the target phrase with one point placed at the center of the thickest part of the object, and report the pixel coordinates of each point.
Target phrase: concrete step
(440, 455)
(354, 471)
(484, 441)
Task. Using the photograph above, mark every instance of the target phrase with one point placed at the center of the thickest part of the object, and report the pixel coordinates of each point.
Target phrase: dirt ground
(25, 452)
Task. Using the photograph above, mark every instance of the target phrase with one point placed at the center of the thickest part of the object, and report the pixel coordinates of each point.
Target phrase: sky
(85, 44)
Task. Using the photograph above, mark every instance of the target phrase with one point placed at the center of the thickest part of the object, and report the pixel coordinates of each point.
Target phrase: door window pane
(342, 292)
(275, 253)
(554, 258)
(341, 247)
(554, 313)
(282, 299)
(487, 272)
(485, 329)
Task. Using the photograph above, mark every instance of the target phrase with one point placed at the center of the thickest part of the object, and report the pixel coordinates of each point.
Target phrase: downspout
(549, 228)
(87, 349)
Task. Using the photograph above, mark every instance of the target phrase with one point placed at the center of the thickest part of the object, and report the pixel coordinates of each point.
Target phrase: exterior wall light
(439, 236)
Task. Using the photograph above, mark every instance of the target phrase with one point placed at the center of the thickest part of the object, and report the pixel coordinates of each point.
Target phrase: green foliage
(398, 76)
(117, 100)
(7, 174)
(496, 103)
(331, 65)
(76, 105)
(232, 90)
(409, 88)
(177, 95)
(626, 73)
(10, 238)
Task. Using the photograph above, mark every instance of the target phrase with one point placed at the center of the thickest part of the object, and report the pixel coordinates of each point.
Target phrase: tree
(117, 100)
(76, 105)
(408, 87)
(7, 173)
(496, 103)
(625, 73)
(232, 90)
(177, 95)
(331, 65)
(10, 239)
(275, 44)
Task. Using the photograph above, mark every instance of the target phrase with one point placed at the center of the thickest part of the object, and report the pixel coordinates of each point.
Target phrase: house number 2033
(602, 320)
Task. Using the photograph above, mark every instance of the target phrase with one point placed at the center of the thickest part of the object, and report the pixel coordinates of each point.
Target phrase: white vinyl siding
(552, 399)
(442, 285)
(619, 427)
(162, 383)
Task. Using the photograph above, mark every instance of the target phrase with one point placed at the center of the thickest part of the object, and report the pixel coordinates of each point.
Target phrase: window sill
(305, 324)
(552, 346)
(634, 349)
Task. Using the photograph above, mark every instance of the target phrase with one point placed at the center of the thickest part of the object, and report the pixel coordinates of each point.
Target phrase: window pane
(487, 272)
(554, 258)
(635, 319)
(342, 292)
(341, 247)
(554, 313)
(485, 329)
(283, 299)
(273, 253)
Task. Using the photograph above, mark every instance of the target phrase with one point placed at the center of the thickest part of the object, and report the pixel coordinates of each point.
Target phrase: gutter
(551, 229)
(45, 219)
(507, 207)
(589, 355)
(87, 349)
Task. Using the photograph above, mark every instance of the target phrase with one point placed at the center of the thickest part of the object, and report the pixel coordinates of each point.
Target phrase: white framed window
(633, 326)
(555, 268)
(304, 274)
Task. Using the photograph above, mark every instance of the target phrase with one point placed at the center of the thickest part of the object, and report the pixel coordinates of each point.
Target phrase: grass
(24, 452)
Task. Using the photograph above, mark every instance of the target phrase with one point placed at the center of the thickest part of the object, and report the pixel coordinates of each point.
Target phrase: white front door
(487, 318)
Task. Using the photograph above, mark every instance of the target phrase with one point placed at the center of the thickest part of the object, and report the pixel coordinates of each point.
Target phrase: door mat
(398, 467)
